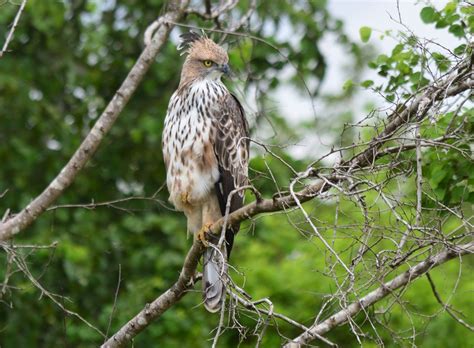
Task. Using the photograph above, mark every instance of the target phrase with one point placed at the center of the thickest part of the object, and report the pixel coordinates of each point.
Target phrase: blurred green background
(67, 59)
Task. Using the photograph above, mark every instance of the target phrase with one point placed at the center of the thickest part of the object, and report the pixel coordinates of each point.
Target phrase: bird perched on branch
(205, 149)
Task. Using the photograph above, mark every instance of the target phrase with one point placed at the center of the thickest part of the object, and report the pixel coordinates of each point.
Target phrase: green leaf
(440, 192)
(367, 83)
(470, 21)
(442, 62)
(403, 68)
(438, 173)
(450, 7)
(383, 70)
(457, 30)
(415, 58)
(418, 81)
(348, 85)
(467, 10)
(365, 33)
(452, 18)
(382, 59)
(428, 14)
(372, 65)
(397, 49)
(442, 23)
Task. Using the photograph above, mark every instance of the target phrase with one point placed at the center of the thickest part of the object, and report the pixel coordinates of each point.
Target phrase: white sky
(355, 14)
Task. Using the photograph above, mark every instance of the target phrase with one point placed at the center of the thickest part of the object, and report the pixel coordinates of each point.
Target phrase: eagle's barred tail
(214, 277)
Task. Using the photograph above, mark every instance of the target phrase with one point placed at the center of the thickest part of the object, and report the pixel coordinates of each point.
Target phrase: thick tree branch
(385, 289)
(32, 211)
(457, 82)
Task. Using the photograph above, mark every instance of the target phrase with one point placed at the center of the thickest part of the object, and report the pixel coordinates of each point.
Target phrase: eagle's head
(205, 59)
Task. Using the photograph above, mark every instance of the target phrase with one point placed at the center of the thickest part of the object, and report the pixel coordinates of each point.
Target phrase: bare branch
(12, 29)
(23, 267)
(115, 301)
(385, 289)
(252, 306)
(112, 203)
(460, 80)
(208, 14)
(416, 108)
(310, 222)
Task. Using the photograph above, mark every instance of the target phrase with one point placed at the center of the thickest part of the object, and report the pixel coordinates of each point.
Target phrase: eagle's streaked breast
(191, 165)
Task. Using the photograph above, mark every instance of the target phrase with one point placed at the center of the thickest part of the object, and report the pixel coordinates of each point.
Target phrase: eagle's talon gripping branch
(201, 235)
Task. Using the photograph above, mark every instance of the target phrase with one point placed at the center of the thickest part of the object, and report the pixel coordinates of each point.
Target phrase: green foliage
(365, 33)
(428, 14)
(451, 17)
(450, 172)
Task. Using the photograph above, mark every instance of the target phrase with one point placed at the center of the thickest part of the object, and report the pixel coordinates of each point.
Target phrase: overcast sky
(355, 14)
(378, 15)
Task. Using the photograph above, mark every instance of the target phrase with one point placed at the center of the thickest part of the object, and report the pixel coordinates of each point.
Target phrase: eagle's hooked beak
(225, 69)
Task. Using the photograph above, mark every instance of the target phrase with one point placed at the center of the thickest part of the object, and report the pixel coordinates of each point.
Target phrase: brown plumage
(205, 149)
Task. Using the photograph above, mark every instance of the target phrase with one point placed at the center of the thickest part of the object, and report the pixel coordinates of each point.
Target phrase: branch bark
(32, 211)
(378, 294)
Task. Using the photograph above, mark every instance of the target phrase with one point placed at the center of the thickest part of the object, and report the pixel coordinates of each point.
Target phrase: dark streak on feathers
(230, 172)
(187, 39)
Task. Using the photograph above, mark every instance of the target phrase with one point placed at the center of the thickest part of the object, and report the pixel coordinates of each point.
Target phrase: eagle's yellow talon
(201, 235)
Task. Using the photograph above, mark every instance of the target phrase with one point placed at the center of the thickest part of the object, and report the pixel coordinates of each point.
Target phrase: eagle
(206, 154)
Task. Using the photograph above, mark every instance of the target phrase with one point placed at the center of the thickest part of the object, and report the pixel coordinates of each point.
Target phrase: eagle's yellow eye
(207, 63)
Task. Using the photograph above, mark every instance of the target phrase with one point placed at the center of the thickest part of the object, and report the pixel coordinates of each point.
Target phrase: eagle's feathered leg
(194, 219)
(214, 260)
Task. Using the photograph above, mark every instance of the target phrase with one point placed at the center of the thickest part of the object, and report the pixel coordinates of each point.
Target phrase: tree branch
(12, 29)
(385, 289)
(32, 211)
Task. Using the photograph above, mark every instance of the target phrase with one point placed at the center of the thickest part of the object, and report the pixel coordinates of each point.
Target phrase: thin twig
(12, 29)
(119, 280)
(445, 306)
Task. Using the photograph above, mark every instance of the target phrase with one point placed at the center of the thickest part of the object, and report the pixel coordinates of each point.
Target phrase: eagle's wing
(231, 147)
